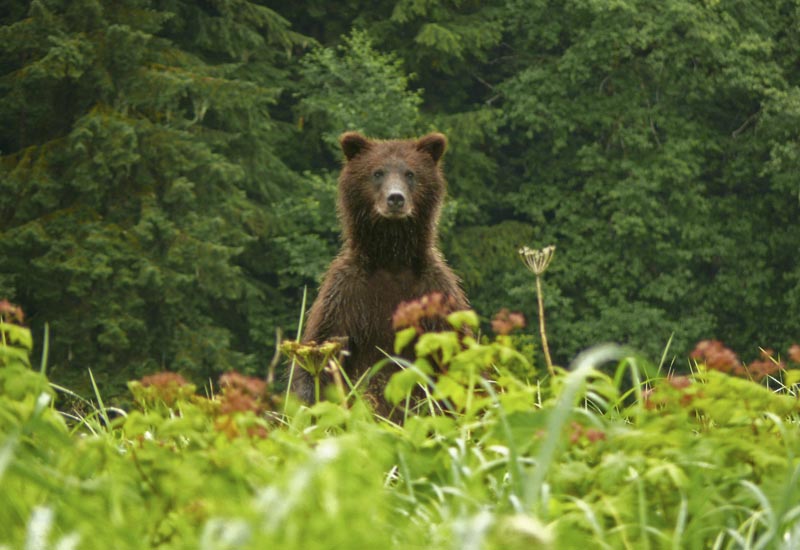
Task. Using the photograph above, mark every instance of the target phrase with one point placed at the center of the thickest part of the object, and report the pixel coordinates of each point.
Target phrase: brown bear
(390, 196)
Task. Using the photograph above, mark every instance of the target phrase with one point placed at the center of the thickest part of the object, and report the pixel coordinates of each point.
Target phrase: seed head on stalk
(538, 261)
(314, 358)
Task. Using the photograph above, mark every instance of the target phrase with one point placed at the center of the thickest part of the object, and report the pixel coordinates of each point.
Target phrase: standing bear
(390, 197)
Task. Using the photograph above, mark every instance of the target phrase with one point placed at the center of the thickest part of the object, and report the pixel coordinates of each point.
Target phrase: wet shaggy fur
(390, 196)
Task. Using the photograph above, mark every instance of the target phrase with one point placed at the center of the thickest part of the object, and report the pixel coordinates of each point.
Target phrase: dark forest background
(167, 168)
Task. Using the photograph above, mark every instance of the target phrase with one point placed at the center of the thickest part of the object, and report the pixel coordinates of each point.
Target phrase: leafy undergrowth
(497, 458)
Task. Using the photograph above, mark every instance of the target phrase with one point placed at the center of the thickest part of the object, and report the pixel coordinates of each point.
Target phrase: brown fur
(389, 253)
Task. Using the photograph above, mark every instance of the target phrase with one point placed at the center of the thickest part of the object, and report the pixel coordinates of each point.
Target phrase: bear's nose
(395, 200)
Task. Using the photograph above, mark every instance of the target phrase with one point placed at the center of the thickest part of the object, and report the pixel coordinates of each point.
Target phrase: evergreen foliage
(640, 134)
(167, 168)
(138, 157)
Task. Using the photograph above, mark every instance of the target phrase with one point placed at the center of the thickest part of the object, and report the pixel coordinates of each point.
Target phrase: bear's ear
(434, 144)
(352, 144)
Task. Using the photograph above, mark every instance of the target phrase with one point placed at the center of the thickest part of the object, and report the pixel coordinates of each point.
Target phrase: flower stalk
(538, 261)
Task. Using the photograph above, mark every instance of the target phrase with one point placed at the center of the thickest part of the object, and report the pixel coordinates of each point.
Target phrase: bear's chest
(369, 299)
(369, 310)
(386, 289)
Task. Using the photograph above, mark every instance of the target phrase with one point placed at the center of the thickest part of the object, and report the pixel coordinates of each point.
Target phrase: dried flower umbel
(314, 358)
(538, 261)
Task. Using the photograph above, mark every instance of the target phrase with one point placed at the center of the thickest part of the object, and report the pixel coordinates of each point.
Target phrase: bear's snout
(395, 204)
(396, 201)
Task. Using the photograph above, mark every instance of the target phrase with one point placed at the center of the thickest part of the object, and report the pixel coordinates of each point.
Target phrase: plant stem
(542, 332)
(316, 388)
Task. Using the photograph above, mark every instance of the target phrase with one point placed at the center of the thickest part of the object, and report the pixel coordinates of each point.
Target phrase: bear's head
(390, 196)
(391, 180)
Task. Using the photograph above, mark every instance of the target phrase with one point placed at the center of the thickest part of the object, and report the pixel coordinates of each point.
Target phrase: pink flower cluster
(716, 356)
(424, 314)
(505, 321)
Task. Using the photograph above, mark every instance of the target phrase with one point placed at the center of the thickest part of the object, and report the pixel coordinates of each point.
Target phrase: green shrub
(490, 461)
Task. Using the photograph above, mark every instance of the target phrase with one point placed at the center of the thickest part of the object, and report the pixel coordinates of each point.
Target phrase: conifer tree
(138, 153)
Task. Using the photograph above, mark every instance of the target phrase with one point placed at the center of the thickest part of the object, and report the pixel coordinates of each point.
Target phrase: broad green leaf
(403, 338)
(444, 344)
(463, 319)
(402, 383)
(17, 335)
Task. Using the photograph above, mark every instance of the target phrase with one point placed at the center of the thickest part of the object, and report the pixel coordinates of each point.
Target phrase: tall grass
(609, 453)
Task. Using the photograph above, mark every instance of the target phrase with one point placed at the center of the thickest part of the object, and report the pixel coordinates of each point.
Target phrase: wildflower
(682, 384)
(311, 356)
(648, 396)
(163, 379)
(424, 313)
(505, 321)
(233, 427)
(767, 365)
(594, 435)
(10, 312)
(248, 384)
(679, 382)
(794, 353)
(579, 433)
(716, 356)
(538, 261)
(235, 400)
(674, 390)
(161, 387)
(242, 393)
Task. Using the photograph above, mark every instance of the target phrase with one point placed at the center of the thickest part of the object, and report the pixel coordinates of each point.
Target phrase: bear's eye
(409, 175)
(377, 174)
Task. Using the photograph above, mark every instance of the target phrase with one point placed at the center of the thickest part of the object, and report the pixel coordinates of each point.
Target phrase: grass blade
(102, 408)
(297, 337)
(45, 349)
(583, 365)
